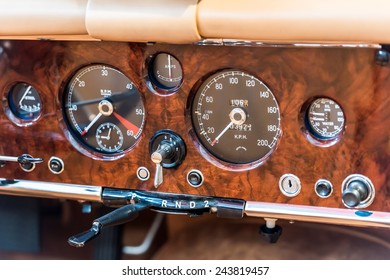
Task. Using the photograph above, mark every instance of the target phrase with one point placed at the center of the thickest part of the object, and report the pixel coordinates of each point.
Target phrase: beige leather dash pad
(172, 21)
(189, 21)
(363, 21)
(42, 17)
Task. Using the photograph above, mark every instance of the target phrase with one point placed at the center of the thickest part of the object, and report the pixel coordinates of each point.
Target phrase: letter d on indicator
(192, 204)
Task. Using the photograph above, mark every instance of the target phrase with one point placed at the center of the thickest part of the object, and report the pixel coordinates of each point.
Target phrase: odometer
(236, 118)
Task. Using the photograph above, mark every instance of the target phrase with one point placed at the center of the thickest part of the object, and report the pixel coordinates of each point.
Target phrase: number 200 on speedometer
(236, 118)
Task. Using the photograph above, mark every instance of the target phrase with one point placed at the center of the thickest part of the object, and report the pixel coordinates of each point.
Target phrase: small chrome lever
(167, 150)
(26, 161)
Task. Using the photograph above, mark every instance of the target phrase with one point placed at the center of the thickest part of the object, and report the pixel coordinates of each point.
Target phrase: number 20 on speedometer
(236, 119)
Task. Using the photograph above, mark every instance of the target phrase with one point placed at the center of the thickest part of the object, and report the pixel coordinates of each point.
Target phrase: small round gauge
(236, 118)
(325, 119)
(24, 102)
(104, 111)
(109, 137)
(165, 72)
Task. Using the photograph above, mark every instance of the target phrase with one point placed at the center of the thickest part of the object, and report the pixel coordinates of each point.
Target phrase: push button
(195, 178)
(56, 165)
(323, 188)
(143, 173)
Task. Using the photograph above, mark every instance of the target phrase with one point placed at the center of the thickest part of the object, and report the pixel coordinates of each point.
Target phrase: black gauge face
(24, 102)
(325, 119)
(166, 72)
(104, 110)
(109, 137)
(236, 118)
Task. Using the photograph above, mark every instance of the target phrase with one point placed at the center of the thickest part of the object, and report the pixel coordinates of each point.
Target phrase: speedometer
(236, 118)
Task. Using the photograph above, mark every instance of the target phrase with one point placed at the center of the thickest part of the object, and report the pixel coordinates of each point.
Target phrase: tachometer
(236, 118)
(104, 111)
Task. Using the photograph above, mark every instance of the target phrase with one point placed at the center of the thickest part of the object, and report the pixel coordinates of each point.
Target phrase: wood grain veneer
(349, 76)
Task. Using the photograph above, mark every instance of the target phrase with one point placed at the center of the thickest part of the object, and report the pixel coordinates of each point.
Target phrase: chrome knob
(357, 191)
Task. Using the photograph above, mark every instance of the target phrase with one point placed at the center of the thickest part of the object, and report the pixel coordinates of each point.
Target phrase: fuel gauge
(165, 73)
(24, 102)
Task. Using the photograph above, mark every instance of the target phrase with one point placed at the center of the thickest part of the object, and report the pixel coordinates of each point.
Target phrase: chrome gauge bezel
(205, 153)
(69, 134)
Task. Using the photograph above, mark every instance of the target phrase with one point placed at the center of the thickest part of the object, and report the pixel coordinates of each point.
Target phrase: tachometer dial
(325, 120)
(236, 118)
(104, 110)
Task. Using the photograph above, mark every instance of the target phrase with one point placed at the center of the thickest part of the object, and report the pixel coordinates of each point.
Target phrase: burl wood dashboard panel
(348, 75)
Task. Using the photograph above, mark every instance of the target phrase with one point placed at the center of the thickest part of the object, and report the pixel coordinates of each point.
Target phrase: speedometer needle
(222, 133)
(237, 116)
(91, 124)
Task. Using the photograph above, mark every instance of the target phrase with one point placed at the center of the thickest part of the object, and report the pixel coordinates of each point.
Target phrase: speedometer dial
(236, 118)
(104, 111)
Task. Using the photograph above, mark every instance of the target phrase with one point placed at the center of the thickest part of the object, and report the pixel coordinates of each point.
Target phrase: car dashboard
(181, 107)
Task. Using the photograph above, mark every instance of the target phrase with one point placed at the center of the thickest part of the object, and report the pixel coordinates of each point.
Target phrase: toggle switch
(167, 150)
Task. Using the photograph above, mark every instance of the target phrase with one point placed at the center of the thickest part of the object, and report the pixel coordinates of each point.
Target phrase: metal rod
(348, 217)
(50, 190)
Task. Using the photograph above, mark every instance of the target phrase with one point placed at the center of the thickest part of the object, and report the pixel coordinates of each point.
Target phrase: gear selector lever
(119, 216)
(136, 201)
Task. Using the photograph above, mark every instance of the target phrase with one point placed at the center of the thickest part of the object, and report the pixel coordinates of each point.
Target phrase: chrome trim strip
(50, 190)
(348, 217)
(247, 43)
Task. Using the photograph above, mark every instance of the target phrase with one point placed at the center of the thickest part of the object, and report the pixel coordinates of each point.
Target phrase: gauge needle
(91, 124)
(24, 96)
(237, 116)
(169, 67)
(108, 135)
(127, 124)
(222, 133)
